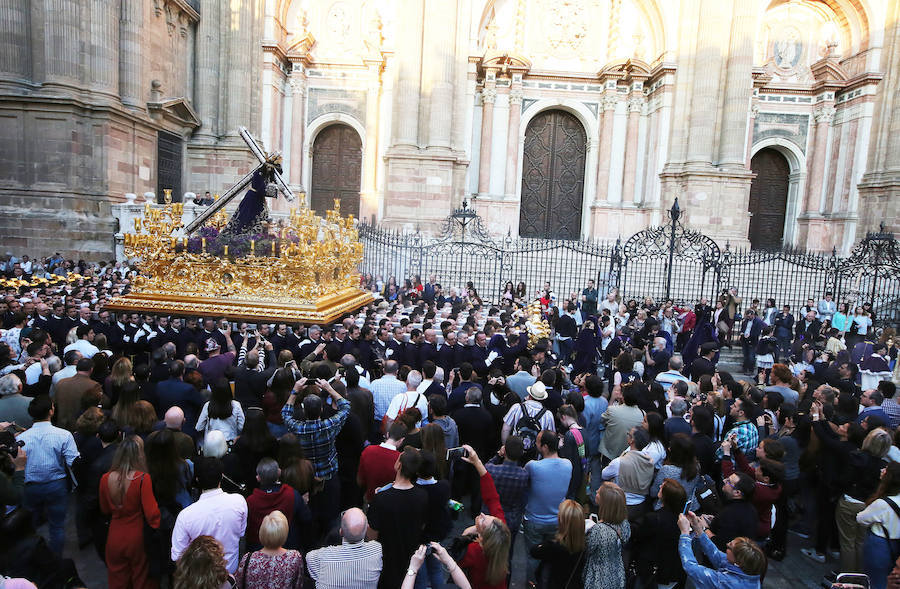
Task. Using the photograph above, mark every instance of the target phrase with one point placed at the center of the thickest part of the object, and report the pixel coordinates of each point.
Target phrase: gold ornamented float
(303, 271)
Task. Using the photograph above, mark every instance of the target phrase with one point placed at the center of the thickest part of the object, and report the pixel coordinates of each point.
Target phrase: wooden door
(768, 199)
(553, 176)
(336, 170)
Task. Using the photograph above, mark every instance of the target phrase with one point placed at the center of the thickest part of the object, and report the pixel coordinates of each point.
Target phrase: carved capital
(608, 103)
(298, 85)
(635, 104)
(824, 113)
(488, 95)
(516, 95)
(754, 109)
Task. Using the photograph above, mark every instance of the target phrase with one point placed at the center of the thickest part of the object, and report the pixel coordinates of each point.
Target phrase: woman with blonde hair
(604, 567)
(126, 493)
(202, 566)
(486, 560)
(121, 373)
(563, 556)
(273, 565)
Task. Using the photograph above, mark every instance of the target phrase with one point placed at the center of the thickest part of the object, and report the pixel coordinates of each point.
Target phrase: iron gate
(668, 262)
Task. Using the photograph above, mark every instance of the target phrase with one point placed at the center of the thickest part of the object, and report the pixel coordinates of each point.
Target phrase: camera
(456, 453)
(9, 444)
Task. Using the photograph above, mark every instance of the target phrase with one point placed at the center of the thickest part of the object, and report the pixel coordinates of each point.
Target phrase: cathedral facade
(774, 122)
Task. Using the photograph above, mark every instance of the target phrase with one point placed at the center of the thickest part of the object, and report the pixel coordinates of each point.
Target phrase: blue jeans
(878, 558)
(52, 498)
(535, 533)
(431, 574)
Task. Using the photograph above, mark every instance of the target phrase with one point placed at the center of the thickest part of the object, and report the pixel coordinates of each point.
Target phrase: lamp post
(675, 214)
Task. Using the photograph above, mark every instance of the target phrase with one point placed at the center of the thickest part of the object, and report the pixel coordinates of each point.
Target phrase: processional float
(245, 267)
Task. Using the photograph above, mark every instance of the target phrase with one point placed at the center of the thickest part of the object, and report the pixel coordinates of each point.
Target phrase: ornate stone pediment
(175, 110)
(505, 62)
(627, 70)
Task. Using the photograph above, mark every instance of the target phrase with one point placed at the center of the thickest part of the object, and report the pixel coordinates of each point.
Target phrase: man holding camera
(12, 468)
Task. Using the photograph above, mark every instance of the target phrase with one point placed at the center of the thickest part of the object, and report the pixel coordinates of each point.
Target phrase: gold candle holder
(252, 247)
(225, 251)
(203, 244)
(273, 248)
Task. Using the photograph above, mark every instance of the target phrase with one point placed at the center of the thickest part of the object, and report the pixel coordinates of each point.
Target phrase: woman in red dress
(126, 493)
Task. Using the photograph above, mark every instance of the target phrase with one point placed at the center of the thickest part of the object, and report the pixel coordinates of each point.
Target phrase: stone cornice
(182, 5)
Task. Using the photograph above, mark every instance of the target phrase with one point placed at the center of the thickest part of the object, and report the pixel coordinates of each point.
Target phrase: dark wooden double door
(553, 176)
(768, 199)
(336, 170)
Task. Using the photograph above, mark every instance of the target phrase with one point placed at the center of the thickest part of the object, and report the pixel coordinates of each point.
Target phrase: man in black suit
(174, 392)
(809, 327)
(313, 339)
(751, 328)
(449, 354)
(189, 334)
(396, 346)
(705, 362)
(428, 351)
(250, 381)
(430, 373)
(566, 332)
(211, 330)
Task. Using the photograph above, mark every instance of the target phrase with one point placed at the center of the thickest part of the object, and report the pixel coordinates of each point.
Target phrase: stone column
(208, 83)
(131, 78)
(437, 68)
(104, 62)
(241, 51)
(635, 105)
(823, 114)
(705, 89)
(607, 119)
(15, 51)
(512, 140)
(63, 41)
(738, 86)
(488, 96)
(298, 126)
(409, 52)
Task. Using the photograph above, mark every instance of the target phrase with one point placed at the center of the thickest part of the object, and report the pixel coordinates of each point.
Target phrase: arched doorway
(768, 199)
(336, 170)
(553, 176)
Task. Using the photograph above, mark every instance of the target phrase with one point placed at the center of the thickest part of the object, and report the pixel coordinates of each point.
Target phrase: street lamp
(674, 213)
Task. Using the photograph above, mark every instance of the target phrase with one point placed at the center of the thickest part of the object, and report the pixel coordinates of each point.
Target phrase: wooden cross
(257, 151)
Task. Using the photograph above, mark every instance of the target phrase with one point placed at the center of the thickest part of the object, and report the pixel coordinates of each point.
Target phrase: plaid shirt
(892, 409)
(747, 437)
(317, 436)
(512, 482)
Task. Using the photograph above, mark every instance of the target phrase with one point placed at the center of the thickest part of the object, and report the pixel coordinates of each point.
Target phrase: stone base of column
(713, 201)
(501, 215)
(421, 190)
(814, 233)
(879, 202)
(610, 221)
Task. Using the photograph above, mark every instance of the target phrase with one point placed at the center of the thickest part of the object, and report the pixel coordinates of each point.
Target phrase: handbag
(153, 545)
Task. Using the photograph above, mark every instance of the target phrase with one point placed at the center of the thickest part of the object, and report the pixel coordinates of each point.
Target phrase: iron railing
(666, 262)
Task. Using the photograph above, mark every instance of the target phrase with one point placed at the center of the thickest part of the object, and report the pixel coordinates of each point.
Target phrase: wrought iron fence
(664, 262)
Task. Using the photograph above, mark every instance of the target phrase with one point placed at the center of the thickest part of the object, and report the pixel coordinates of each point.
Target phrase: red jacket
(376, 468)
(764, 496)
(260, 504)
(474, 562)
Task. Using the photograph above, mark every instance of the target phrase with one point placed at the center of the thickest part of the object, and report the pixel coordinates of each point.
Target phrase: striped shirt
(384, 390)
(348, 566)
(47, 446)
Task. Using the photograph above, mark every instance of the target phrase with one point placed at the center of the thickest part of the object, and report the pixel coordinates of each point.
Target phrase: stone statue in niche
(788, 49)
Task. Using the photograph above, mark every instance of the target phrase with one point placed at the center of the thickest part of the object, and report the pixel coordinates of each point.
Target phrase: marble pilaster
(706, 84)
(298, 125)
(607, 120)
(512, 140)
(15, 52)
(635, 105)
(488, 96)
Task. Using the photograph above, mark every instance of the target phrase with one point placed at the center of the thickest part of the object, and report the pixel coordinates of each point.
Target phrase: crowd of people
(204, 453)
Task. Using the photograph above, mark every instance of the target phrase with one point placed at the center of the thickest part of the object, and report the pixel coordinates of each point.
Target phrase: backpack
(579, 441)
(528, 427)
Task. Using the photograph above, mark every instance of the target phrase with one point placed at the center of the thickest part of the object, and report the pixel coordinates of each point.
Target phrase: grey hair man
(13, 405)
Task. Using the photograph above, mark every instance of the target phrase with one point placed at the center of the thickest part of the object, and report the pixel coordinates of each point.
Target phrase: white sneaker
(813, 555)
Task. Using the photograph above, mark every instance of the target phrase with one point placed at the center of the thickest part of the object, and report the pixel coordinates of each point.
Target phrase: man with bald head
(174, 419)
(355, 564)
